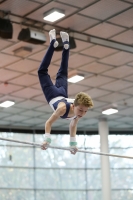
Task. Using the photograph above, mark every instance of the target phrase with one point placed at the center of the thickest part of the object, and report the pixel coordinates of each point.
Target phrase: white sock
(52, 35)
(64, 37)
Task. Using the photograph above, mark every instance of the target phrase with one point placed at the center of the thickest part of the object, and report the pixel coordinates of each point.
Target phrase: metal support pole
(105, 165)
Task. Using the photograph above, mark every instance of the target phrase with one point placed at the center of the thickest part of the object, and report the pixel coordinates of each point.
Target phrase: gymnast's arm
(57, 113)
(73, 127)
(73, 130)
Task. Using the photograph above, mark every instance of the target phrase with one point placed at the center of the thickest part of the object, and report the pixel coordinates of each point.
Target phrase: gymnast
(57, 95)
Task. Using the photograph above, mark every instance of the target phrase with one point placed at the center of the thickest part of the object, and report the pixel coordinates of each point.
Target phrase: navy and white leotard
(54, 103)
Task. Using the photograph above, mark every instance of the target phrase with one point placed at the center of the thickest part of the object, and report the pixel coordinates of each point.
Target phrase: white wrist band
(72, 139)
(47, 138)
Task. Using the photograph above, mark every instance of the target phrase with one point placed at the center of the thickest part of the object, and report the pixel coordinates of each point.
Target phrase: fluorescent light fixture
(75, 78)
(110, 111)
(53, 15)
(7, 104)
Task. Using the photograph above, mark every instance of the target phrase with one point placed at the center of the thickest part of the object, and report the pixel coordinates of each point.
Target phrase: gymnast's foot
(52, 35)
(65, 39)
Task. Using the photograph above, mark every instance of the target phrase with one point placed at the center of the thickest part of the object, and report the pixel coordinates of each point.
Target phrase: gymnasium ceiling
(108, 71)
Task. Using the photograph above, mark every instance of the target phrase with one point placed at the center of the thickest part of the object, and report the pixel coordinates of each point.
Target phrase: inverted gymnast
(57, 96)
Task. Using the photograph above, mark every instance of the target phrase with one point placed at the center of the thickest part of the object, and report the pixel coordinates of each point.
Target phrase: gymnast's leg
(62, 75)
(44, 77)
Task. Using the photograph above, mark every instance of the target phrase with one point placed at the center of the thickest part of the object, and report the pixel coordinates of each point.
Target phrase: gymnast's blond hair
(83, 99)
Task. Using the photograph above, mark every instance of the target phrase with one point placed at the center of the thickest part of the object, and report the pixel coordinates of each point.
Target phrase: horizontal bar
(65, 148)
(50, 189)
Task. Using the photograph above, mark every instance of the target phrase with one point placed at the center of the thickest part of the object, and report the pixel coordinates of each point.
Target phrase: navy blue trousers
(60, 88)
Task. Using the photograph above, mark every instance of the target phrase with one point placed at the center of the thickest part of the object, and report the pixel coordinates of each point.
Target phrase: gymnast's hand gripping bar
(65, 148)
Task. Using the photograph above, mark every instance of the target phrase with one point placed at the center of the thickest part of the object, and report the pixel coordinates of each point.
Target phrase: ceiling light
(7, 104)
(53, 15)
(110, 111)
(22, 51)
(76, 78)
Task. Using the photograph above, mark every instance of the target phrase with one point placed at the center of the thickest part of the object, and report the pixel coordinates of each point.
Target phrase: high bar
(65, 148)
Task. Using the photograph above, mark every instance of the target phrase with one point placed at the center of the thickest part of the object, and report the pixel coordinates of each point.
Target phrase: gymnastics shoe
(52, 35)
(65, 39)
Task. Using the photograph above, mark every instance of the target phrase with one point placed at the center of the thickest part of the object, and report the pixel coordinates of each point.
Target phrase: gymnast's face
(80, 110)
